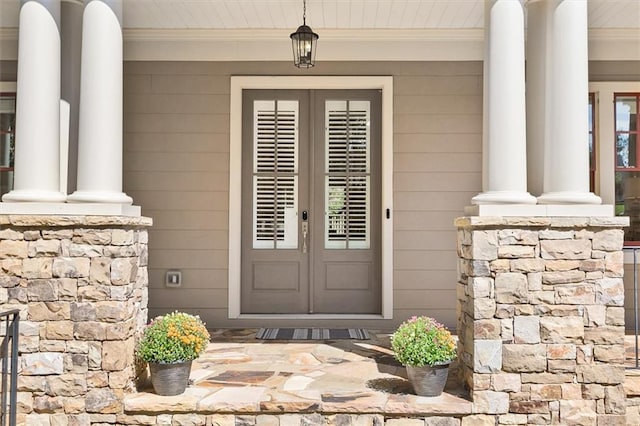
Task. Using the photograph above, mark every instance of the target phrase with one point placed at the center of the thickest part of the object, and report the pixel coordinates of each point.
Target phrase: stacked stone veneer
(80, 283)
(541, 318)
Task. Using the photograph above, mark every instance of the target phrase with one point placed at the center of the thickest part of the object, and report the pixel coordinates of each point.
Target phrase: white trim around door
(238, 84)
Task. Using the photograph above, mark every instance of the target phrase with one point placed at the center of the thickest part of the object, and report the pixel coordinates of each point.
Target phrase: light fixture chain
(304, 12)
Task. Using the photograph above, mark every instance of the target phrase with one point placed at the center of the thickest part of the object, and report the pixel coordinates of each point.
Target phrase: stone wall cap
(74, 220)
(542, 221)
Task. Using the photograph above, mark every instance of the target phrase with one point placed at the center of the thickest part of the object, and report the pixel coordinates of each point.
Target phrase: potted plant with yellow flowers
(169, 344)
(426, 348)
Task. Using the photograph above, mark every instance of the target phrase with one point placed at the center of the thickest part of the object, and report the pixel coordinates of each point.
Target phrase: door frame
(240, 83)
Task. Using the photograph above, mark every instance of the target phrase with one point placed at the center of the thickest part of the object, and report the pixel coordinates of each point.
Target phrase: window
(627, 161)
(7, 140)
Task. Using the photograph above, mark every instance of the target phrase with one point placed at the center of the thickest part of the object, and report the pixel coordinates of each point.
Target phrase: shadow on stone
(395, 386)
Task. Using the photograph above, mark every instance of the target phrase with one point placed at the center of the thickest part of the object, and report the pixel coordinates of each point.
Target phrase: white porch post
(566, 158)
(70, 83)
(536, 54)
(100, 133)
(504, 136)
(37, 155)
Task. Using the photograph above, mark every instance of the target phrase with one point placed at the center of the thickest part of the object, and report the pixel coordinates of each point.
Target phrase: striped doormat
(312, 333)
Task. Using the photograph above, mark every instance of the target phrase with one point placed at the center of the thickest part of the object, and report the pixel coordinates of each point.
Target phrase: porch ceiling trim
(334, 45)
(276, 34)
(363, 45)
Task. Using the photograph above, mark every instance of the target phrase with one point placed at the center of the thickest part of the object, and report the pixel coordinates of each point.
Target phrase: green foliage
(421, 341)
(173, 338)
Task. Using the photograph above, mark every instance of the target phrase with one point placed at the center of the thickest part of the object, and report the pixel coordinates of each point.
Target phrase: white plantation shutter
(275, 174)
(347, 174)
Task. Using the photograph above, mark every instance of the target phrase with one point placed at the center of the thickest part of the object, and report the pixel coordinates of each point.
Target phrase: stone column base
(541, 317)
(80, 283)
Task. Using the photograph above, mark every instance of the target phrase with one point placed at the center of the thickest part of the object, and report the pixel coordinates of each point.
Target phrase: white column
(100, 132)
(536, 73)
(37, 151)
(504, 145)
(70, 83)
(566, 159)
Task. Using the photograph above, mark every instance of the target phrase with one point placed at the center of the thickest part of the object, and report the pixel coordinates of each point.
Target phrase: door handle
(305, 231)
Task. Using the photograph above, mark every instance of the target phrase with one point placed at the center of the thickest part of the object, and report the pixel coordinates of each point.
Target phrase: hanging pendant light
(303, 42)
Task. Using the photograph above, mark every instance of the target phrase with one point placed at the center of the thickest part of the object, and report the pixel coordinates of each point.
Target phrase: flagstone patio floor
(242, 375)
(239, 374)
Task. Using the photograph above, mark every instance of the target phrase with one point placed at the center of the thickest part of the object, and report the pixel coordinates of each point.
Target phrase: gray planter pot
(170, 379)
(428, 381)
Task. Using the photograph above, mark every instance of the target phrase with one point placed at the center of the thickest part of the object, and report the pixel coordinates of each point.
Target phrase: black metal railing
(9, 365)
(635, 251)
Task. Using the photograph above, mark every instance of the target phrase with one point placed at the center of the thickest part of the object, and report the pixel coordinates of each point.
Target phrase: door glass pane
(626, 116)
(625, 150)
(592, 143)
(7, 140)
(592, 162)
(7, 113)
(7, 129)
(628, 202)
(275, 174)
(347, 174)
(626, 112)
(627, 176)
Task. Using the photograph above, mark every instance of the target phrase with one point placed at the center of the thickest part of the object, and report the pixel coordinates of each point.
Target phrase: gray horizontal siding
(614, 70)
(176, 167)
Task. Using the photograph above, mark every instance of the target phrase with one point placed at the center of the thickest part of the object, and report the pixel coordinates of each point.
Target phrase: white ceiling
(320, 13)
(338, 14)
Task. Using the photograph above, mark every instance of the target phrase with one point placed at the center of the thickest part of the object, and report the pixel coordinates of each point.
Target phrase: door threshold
(312, 316)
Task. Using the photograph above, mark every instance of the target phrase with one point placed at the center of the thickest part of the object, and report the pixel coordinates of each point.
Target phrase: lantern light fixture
(304, 42)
